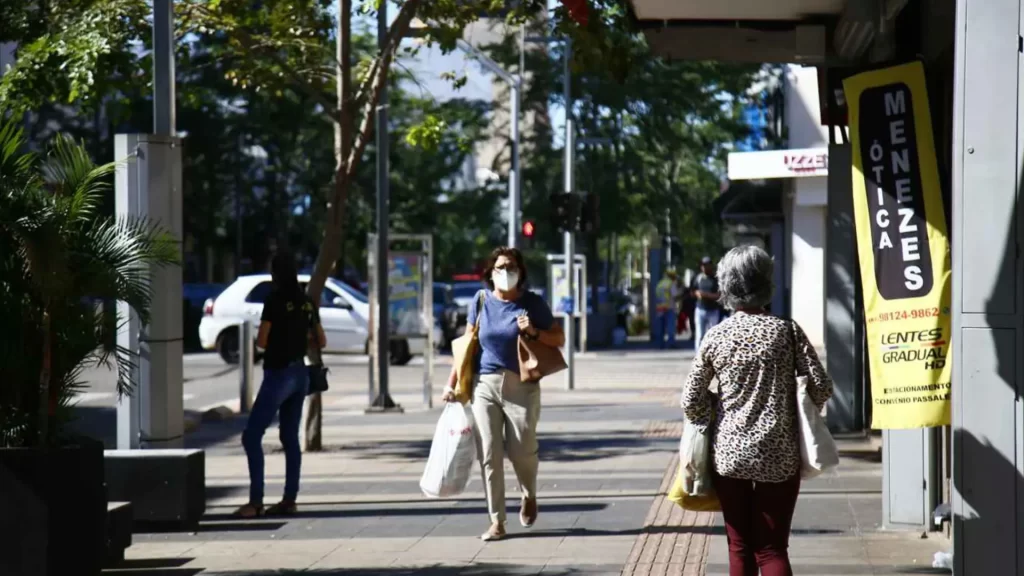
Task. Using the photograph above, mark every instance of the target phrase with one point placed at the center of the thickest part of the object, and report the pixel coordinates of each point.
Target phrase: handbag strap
(792, 341)
(480, 297)
(313, 336)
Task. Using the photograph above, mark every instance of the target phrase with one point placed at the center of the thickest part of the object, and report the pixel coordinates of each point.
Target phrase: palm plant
(58, 255)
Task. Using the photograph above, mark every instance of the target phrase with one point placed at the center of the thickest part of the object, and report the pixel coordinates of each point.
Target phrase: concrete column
(844, 327)
(988, 300)
(778, 251)
(148, 186)
(807, 305)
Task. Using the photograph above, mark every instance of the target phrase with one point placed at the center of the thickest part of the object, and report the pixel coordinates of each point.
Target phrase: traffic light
(528, 229)
(591, 220)
(565, 211)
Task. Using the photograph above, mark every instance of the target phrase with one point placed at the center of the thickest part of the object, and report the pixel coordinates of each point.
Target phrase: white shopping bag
(695, 461)
(818, 453)
(451, 454)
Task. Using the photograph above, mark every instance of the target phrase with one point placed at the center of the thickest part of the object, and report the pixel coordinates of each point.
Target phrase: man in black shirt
(708, 312)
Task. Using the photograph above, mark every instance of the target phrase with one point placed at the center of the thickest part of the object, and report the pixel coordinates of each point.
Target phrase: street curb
(218, 414)
(192, 421)
(195, 419)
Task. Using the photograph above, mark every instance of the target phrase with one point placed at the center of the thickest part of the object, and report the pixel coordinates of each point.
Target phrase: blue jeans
(668, 327)
(704, 320)
(282, 390)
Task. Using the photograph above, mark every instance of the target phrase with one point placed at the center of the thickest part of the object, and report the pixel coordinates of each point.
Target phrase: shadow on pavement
(402, 510)
(153, 567)
(874, 457)
(574, 447)
(152, 563)
(157, 571)
(475, 569)
(207, 526)
(100, 422)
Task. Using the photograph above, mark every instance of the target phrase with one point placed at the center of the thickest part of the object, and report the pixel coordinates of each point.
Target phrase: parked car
(446, 314)
(463, 293)
(344, 313)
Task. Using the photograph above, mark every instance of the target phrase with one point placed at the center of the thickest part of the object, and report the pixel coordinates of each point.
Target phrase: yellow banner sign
(903, 247)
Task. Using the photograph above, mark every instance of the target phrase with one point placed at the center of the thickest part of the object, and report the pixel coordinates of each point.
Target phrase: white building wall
(807, 286)
(807, 200)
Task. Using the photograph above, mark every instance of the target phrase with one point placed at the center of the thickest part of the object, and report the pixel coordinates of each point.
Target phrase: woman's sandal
(283, 508)
(250, 511)
(494, 533)
(528, 512)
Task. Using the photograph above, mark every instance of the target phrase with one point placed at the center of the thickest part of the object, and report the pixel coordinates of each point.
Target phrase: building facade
(971, 54)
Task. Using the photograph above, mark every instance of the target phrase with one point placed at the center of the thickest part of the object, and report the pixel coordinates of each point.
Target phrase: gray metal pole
(668, 237)
(428, 297)
(570, 267)
(568, 239)
(514, 176)
(517, 97)
(163, 67)
(383, 400)
(245, 367)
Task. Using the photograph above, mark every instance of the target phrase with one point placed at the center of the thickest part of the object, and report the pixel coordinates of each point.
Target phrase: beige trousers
(506, 411)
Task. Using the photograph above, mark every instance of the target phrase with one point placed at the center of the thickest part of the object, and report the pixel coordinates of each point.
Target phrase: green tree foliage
(276, 46)
(653, 136)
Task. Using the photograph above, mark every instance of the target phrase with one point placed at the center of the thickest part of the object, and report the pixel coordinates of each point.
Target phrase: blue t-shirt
(499, 329)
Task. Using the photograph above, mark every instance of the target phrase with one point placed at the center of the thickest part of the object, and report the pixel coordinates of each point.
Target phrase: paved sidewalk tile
(603, 450)
(608, 456)
(673, 540)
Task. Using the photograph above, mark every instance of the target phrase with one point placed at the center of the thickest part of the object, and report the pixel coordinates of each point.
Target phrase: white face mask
(505, 280)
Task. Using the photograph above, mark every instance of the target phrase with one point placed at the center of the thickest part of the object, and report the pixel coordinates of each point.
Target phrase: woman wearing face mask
(506, 409)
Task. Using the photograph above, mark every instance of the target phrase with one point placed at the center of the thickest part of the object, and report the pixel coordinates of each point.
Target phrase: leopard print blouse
(755, 428)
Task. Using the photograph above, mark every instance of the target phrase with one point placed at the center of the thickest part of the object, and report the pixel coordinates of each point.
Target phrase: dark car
(446, 314)
(463, 293)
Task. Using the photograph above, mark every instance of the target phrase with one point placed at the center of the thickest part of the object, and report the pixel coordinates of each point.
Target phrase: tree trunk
(349, 147)
(333, 232)
(330, 246)
(43, 434)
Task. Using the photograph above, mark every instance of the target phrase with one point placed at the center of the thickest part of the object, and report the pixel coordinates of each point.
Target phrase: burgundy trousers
(758, 516)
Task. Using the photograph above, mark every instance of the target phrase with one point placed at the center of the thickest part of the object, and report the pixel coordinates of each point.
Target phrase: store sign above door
(778, 164)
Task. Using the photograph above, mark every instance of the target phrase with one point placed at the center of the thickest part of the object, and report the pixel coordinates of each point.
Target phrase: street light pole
(163, 68)
(568, 236)
(383, 402)
(514, 177)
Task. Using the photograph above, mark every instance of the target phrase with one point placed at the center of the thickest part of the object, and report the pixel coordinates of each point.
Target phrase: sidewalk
(607, 452)
(603, 448)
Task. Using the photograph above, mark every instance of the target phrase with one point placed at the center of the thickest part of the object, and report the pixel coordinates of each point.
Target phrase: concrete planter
(53, 510)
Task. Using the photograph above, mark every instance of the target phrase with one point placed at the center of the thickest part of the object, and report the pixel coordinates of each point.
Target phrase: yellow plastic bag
(464, 349)
(706, 503)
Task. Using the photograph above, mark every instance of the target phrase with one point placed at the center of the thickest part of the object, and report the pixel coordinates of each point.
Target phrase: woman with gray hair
(756, 358)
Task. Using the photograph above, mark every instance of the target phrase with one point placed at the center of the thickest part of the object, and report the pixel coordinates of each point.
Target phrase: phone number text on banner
(903, 247)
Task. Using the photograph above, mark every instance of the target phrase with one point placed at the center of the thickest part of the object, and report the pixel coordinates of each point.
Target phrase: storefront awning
(779, 31)
(751, 200)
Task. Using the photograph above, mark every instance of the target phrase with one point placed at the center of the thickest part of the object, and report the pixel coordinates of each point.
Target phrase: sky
(431, 63)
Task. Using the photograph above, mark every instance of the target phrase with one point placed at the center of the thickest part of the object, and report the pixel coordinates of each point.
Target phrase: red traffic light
(528, 229)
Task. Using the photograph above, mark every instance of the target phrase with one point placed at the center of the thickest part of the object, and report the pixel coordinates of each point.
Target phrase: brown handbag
(538, 360)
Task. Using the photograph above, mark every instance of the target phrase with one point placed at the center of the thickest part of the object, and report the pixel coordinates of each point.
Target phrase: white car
(344, 314)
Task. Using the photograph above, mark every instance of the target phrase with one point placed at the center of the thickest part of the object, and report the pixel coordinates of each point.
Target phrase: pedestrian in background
(288, 325)
(506, 409)
(753, 424)
(666, 295)
(707, 310)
